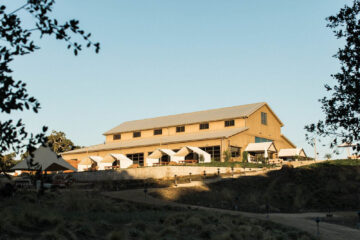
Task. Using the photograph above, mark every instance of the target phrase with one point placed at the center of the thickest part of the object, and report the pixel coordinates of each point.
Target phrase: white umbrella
(266, 153)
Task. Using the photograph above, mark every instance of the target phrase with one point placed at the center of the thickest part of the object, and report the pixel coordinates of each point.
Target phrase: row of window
(227, 123)
(214, 151)
(202, 126)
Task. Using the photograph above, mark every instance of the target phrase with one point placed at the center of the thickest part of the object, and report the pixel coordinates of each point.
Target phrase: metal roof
(187, 118)
(161, 140)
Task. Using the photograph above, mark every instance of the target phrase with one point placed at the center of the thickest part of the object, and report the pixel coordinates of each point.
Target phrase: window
(204, 126)
(175, 150)
(149, 153)
(158, 131)
(260, 140)
(136, 134)
(229, 123)
(138, 158)
(263, 118)
(235, 151)
(180, 129)
(116, 136)
(214, 151)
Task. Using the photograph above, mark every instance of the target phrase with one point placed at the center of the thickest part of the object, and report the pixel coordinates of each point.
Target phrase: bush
(245, 156)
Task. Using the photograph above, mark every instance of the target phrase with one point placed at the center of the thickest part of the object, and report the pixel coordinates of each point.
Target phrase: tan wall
(256, 129)
(270, 131)
(169, 131)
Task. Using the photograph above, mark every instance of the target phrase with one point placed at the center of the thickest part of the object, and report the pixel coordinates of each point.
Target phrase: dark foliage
(342, 106)
(18, 41)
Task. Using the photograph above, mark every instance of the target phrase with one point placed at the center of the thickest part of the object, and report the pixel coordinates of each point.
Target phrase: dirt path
(300, 221)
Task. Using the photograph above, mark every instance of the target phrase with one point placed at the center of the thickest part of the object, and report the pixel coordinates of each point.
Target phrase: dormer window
(116, 136)
(158, 131)
(136, 134)
(229, 123)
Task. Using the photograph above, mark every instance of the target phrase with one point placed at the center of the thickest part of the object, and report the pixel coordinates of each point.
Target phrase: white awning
(124, 161)
(158, 153)
(188, 149)
(261, 147)
(97, 159)
(347, 145)
(292, 152)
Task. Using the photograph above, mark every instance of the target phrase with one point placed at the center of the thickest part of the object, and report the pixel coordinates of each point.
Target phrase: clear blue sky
(167, 57)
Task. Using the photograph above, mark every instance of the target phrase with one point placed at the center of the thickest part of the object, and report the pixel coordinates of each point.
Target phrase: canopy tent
(45, 160)
(259, 148)
(124, 162)
(348, 147)
(185, 151)
(160, 154)
(88, 162)
(288, 153)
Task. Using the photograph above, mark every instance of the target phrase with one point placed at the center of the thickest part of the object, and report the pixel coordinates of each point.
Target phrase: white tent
(263, 147)
(348, 147)
(45, 160)
(124, 161)
(184, 151)
(155, 157)
(291, 152)
(88, 162)
(85, 163)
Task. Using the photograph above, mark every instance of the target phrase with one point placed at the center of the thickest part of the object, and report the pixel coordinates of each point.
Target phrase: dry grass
(334, 185)
(88, 215)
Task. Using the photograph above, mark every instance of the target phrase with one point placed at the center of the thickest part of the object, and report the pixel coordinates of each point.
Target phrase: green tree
(342, 105)
(7, 161)
(58, 142)
(16, 42)
(328, 156)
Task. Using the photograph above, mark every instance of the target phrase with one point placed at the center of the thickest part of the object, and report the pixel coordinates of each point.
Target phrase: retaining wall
(161, 172)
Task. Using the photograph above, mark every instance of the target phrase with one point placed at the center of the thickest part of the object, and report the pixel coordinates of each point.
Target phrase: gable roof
(161, 140)
(158, 153)
(260, 147)
(186, 149)
(292, 152)
(240, 111)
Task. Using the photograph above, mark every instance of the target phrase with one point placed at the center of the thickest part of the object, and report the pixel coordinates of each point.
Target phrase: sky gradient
(167, 57)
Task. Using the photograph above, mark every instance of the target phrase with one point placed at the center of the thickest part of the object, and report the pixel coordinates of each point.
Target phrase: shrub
(245, 156)
(227, 155)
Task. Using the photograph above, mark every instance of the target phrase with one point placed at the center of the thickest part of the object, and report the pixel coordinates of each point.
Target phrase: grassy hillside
(88, 215)
(332, 184)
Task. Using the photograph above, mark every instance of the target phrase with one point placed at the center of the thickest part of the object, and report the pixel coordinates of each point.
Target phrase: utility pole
(315, 156)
